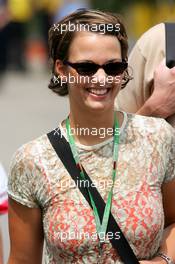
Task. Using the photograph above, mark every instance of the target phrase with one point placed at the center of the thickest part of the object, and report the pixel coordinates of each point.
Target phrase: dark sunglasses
(90, 68)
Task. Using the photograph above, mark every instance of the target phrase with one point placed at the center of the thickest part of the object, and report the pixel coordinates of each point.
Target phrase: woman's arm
(26, 234)
(168, 245)
(168, 242)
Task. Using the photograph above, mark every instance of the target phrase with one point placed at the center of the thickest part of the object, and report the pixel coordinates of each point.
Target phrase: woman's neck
(93, 128)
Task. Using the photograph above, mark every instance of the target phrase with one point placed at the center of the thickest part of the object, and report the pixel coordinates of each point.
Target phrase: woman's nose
(100, 77)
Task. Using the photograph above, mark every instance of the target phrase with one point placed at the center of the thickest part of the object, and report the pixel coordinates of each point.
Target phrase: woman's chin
(99, 106)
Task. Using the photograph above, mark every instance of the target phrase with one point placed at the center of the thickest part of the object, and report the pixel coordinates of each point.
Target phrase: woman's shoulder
(146, 120)
(31, 150)
(25, 172)
(151, 125)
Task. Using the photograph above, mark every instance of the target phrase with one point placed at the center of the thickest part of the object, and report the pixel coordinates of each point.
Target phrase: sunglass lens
(115, 68)
(86, 68)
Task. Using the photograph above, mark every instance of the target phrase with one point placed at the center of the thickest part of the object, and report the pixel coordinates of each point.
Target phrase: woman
(43, 201)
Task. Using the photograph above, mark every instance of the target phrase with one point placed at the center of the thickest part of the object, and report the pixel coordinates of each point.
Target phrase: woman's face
(97, 92)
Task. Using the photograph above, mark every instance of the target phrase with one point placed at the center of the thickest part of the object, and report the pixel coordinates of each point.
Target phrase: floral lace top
(146, 161)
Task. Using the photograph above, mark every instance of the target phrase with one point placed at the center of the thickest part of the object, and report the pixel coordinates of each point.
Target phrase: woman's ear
(60, 70)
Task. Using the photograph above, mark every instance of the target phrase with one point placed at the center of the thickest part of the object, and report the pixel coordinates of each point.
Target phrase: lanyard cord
(100, 227)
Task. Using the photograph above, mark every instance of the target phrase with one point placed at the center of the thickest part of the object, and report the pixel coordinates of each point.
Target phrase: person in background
(3, 204)
(151, 92)
(13, 22)
(43, 14)
(4, 21)
(68, 6)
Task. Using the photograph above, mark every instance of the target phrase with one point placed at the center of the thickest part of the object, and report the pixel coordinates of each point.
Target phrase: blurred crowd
(24, 28)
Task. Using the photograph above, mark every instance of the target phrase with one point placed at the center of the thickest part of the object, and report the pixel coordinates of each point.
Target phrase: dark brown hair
(59, 42)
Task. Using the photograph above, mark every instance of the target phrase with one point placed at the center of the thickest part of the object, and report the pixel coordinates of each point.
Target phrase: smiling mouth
(98, 92)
